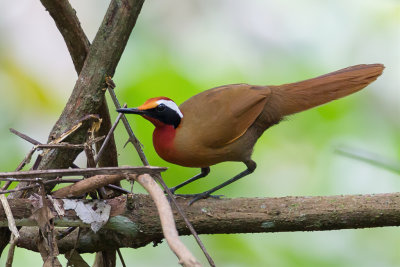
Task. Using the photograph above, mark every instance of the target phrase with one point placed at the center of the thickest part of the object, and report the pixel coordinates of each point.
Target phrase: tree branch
(70, 28)
(135, 222)
(78, 45)
(54, 173)
(101, 61)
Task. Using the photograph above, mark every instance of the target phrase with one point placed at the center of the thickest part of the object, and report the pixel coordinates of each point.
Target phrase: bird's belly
(175, 147)
(194, 155)
(188, 158)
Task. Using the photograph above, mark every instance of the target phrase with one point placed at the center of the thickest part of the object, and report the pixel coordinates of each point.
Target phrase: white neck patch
(171, 104)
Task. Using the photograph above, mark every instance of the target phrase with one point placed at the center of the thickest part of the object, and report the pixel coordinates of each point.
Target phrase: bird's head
(159, 110)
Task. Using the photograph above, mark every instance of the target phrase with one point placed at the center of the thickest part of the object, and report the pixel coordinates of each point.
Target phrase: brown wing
(221, 115)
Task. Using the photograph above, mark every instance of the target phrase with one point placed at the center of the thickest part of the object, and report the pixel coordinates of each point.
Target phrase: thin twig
(62, 234)
(70, 146)
(121, 258)
(89, 157)
(132, 137)
(185, 257)
(56, 181)
(37, 162)
(92, 164)
(82, 172)
(108, 137)
(10, 217)
(120, 189)
(20, 179)
(370, 158)
(88, 185)
(11, 249)
(25, 137)
(187, 222)
(20, 166)
(34, 142)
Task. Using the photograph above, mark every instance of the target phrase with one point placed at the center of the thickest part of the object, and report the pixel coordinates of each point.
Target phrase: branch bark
(101, 61)
(135, 222)
(78, 46)
(70, 28)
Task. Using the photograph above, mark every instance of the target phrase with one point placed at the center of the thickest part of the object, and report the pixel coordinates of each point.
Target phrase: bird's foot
(172, 189)
(203, 195)
(195, 195)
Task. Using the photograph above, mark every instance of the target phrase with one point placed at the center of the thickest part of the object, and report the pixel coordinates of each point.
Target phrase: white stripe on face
(171, 104)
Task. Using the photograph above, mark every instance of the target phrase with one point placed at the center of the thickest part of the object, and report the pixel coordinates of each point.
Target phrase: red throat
(163, 140)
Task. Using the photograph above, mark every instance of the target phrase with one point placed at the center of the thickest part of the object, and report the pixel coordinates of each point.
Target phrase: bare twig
(10, 217)
(89, 157)
(92, 164)
(121, 258)
(64, 233)
(187, 222)
(56, 181)
(83, 172)
(167, 221)
(20, 179)
(120, 189)
(11, 249)
(20, 166)
(87, 185)
(132, 137)
(25, 137)
(108, 137)
(32, 141)
(370, 158)
(70, 146)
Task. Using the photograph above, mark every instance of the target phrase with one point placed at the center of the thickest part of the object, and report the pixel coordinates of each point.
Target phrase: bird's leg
(251, 166)
(204, 172)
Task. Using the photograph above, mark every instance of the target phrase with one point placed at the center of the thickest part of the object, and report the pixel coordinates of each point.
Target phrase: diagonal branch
(78, 45)
(70, 28)
(101, 61)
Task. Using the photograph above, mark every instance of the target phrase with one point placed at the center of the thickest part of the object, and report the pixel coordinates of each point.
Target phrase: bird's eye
(160, 108)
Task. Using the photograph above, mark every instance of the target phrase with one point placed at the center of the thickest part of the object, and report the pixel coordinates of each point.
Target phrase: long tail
(296, 97)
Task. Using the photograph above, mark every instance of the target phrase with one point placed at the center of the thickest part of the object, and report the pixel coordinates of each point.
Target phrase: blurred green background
(180, 48)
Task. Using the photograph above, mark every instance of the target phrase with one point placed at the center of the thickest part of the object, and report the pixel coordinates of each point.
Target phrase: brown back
(220, 115)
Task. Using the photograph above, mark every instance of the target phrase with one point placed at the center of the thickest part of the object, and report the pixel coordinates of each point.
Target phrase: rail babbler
(224, 123)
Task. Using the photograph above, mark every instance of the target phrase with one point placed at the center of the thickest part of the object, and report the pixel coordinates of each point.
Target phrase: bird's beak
(131, 111)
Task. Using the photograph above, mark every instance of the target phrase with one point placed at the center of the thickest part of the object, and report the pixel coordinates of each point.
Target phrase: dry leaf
(95, 213)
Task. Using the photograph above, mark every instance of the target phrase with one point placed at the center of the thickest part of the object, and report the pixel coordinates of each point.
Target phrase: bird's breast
(163, 141)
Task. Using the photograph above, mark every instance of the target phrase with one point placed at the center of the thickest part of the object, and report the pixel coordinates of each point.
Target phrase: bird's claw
(203, 195)
(195, 197)
(172, 190)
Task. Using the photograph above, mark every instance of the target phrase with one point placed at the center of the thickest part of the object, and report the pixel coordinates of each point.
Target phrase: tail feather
(299, 96)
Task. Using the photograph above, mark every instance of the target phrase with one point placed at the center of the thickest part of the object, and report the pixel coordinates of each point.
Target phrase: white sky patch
(171, 104)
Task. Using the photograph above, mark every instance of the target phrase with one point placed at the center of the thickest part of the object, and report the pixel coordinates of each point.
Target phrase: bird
(224, 123)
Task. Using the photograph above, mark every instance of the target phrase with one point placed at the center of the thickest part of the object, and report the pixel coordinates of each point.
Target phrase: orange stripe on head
(152, 103)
